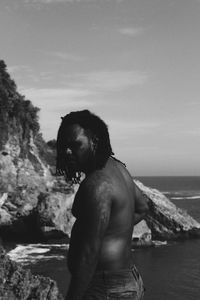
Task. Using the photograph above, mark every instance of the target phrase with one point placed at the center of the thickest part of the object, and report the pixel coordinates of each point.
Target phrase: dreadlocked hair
(91, 123)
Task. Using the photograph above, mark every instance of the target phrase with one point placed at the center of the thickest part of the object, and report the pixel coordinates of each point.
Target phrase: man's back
(116, 245)
(113, 193)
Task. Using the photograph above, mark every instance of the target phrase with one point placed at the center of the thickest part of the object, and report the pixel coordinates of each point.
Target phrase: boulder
(18, 283)
(21, 182)
(142, 236)
(53, 213)
(24, 171)
(47, 214)
(165, 220)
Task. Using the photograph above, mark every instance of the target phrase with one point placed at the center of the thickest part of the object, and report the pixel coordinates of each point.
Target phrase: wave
(182, 195)
(166, 193)
(33, 253)
(159, 243)
(185, 197)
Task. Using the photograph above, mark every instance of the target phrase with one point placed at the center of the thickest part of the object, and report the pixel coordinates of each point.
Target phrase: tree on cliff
(17, 115)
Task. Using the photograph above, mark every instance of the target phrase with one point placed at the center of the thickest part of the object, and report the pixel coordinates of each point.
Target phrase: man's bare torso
(115, 209)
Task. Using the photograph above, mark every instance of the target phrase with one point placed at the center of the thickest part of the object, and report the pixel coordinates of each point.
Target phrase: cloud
(112, 80)
(65, 1)
(191, 103)
(124, 131)
(23, 73)
(54, 103)
(131, 31)
(64, 55)
(55, 1)
(18, 68)
(46, 1)
(54, 99)
(27, 75)
(136, 126)
(43, 75)
(93, 82)
(193, 132)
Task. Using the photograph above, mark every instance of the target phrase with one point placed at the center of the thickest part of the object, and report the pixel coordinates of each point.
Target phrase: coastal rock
(17, 283)
(142, 236)
(21, 185)
(24, 173)
(53, 214)
(165, 220)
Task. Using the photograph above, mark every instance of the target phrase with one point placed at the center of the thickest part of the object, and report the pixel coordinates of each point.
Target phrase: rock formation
(24, 172)
(17, 283)
(53, 213)
(165, 220)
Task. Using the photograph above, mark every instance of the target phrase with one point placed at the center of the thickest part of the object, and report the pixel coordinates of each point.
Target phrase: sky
(135, 63)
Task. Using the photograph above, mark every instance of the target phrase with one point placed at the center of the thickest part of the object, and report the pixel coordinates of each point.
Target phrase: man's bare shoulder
(96, 186)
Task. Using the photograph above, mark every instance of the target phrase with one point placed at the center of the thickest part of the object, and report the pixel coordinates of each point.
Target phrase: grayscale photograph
(99, 150)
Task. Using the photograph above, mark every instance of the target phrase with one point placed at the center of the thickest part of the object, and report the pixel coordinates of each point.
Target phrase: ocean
(170, 272)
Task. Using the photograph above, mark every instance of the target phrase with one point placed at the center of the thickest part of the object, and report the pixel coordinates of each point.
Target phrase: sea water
(170, 272)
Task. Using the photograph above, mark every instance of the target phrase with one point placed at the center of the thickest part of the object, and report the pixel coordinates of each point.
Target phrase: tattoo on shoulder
(97, 188)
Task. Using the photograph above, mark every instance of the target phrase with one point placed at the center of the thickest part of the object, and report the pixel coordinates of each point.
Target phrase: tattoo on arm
(94, 220)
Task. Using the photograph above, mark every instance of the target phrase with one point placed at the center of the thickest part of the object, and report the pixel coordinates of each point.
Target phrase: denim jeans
(110, 285)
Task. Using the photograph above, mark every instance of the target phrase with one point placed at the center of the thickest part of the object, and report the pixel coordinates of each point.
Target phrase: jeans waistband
(121, 272)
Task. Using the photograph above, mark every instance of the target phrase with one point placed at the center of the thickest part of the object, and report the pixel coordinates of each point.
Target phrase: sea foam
(32, 253)
(186, 197)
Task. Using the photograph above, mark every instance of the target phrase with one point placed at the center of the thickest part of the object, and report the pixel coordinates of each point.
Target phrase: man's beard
(72, 172)
(68, 169)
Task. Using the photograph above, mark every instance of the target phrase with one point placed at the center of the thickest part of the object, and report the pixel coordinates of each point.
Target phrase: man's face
(78, 148)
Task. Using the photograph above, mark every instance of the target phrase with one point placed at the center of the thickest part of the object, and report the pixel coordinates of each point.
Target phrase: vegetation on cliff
(18, 116)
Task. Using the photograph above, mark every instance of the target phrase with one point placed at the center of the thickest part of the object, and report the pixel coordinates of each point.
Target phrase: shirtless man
(106, 207)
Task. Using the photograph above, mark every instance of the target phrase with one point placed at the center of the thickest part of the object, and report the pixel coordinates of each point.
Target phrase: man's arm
(96, 195)
(141, 206)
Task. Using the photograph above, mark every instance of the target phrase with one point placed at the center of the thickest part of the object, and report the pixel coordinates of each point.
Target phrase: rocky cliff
(24, 173)
(165, 220)
(17, 283)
